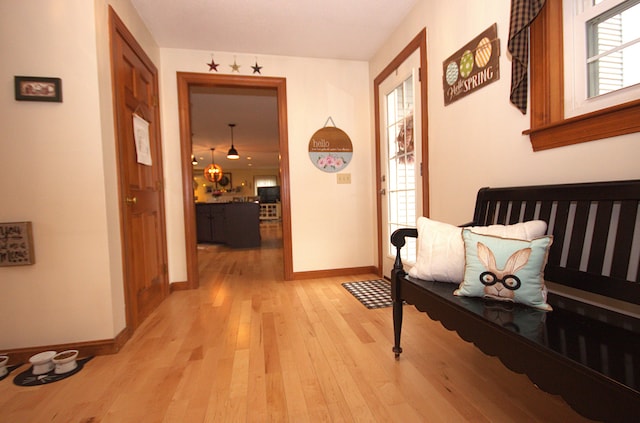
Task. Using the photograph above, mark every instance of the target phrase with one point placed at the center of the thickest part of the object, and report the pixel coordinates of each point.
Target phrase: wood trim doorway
(185, 81)
(419, 42)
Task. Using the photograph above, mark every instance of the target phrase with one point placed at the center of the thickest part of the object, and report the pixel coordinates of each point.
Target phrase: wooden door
(135, 85)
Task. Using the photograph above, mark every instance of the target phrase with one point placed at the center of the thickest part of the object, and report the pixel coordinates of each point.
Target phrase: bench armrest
(398, 241)
(398, 236)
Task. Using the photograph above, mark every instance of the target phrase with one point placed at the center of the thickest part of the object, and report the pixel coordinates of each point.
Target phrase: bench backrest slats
(596, 230)
(600, 233)
(516, 207)
(545, 211)
(557, 226)
(578, 233)
(530, 211)
(624, 239)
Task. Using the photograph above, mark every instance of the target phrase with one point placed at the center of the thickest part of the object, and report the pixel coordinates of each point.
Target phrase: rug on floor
(372, 294)
(27, 378)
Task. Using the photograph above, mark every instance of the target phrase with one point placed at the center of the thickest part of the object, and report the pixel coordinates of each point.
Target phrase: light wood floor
(248, 346)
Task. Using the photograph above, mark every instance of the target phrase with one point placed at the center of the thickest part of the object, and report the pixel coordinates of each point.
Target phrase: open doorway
(186, 83)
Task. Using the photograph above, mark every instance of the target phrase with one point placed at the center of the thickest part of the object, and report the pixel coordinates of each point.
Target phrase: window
(550, 127)
(613, 45)
(402, 207)
(602, 54)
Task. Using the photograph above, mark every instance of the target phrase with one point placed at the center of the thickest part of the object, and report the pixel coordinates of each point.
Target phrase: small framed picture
(35, 88)
(16, 244)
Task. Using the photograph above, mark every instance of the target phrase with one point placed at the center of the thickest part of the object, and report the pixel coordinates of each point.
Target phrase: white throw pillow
(441, 248)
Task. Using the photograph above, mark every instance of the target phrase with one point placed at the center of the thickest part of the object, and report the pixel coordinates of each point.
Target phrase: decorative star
(213, 65)
(235, 67)
(256, 68)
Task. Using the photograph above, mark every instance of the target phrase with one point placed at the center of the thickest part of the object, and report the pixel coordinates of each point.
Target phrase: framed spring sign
(474, 66)
(330, 149)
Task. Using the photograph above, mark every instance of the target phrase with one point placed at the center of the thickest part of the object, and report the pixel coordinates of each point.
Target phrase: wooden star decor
(256, 68)
(235, 67)
(213, 66)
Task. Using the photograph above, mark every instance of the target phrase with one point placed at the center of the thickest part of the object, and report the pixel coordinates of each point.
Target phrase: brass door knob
(131, 200)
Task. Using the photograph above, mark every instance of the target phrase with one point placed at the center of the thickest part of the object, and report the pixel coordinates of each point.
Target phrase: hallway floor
(249, 347)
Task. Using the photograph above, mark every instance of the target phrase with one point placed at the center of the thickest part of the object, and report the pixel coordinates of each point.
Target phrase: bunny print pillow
(505, 269)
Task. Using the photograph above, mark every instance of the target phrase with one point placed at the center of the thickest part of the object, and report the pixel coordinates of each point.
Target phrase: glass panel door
(400, 156)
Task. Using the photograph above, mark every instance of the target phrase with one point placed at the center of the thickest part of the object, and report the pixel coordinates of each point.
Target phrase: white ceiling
(334, 29)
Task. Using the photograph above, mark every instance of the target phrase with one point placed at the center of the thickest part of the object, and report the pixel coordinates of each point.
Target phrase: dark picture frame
(36, 88)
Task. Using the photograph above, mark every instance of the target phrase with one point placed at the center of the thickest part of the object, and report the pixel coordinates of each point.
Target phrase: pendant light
(233, 153)
(213, 172)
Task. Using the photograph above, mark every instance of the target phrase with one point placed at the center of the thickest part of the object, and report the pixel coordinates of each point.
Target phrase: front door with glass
(400, 155)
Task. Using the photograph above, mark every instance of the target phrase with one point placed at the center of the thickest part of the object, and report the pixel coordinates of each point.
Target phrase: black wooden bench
(588, 348)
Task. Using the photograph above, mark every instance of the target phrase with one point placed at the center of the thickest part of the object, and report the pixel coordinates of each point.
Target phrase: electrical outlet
(344, 178)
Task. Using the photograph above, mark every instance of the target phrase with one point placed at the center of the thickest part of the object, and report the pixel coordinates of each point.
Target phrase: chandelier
(213, 172)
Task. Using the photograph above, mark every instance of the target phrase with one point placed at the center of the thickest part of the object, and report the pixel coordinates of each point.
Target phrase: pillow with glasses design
(505, 269)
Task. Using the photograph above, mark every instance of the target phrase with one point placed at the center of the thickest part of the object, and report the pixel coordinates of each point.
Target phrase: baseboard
(314, 274)
(179, 286)
(86, 349)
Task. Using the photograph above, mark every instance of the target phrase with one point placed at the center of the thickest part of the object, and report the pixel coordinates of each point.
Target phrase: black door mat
(372, 294)
(10, 369)
(27, 378)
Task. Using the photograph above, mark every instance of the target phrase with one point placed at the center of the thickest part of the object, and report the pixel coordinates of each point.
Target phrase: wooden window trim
(549, 128)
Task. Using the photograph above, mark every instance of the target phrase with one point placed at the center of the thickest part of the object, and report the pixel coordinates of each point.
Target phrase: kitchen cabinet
(235, 224)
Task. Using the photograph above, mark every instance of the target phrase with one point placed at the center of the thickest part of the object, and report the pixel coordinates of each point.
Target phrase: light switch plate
(344, 178)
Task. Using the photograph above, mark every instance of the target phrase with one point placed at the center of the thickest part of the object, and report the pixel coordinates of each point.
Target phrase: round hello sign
(330, 149)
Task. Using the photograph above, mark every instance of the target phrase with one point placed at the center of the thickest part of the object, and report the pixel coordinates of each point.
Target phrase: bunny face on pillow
(505, 269)
(501, 283)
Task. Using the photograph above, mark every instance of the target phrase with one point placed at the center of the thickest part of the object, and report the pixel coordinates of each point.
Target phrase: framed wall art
(36, 88)
(16, 244)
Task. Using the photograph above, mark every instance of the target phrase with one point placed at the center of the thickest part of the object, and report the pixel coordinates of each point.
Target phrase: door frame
(117, 28)
(185, 81)
(419, 42)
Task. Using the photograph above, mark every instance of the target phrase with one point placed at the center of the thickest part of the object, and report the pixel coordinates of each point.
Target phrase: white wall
(57, 170)
(331, 224)
(477, 141)
(51, 173)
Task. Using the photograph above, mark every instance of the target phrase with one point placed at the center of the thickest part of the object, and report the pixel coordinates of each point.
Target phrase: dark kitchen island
(235, 224)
